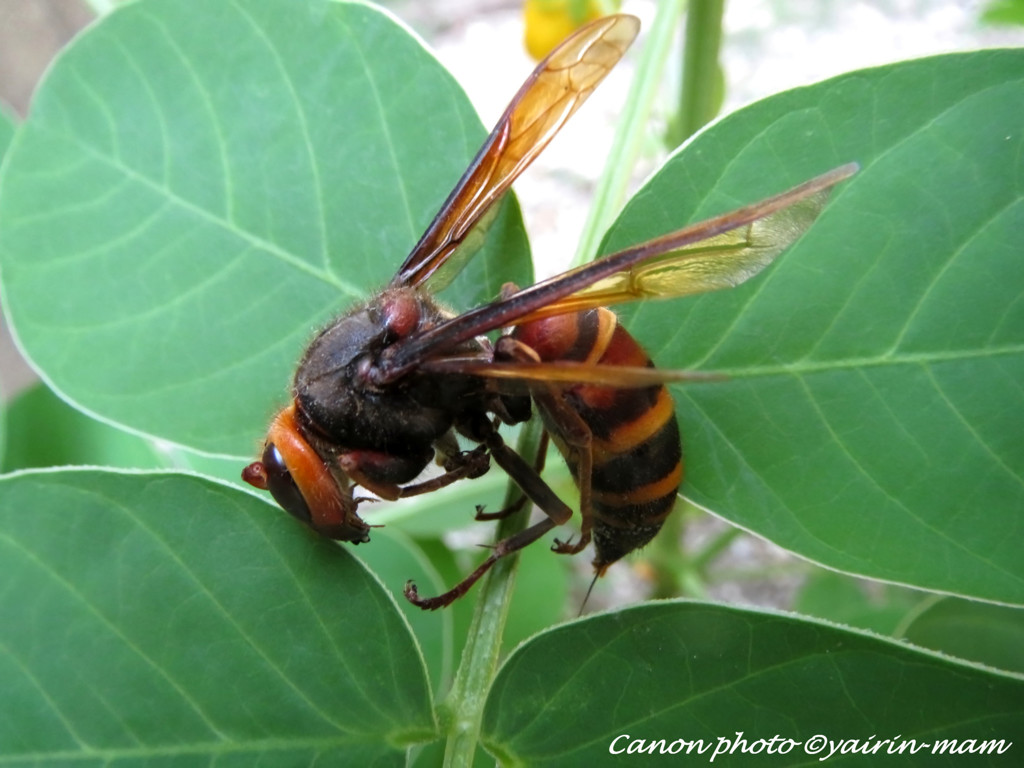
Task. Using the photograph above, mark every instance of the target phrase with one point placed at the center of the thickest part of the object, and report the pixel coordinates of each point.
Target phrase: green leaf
(871, 417)
(1010, 12)
(677, 670)
(199, 186)
(991, 634)
(44, 431)
(395, 559)
(541, 598)
(881, 608)
(158, 616)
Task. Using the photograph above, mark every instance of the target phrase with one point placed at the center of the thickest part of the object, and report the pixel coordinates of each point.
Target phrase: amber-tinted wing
(549, 97)
(671, 265)
(564, 371)
(721, 261)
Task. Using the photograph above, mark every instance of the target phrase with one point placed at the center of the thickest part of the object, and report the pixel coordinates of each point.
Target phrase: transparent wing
(566, 372)
(675, 264)
(721, 261)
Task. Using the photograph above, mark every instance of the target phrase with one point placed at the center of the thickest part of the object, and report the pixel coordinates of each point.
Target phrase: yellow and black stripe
(637, 457)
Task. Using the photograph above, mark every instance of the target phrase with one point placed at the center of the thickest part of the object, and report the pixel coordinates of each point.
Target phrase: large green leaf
(705, 673)
(871, 420)
(200, 185)
(44, 431)
(991, 634)
(395, 560)
(145, 617)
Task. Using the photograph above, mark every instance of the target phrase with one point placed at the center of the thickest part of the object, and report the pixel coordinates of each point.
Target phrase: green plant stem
(614, 181)
(464, 705)
(714, 548)
(667, 558)
(701, 95)
(765, 573)
(912, 615)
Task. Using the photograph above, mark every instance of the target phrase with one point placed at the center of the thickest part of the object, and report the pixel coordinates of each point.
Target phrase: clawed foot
(501, 513)
(568, 548)
(469, 464)
(427, 604)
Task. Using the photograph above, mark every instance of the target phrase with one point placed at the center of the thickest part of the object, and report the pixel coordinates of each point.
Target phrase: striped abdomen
(637, 459)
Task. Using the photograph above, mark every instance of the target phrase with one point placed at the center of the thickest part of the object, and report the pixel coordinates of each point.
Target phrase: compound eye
(282, 486)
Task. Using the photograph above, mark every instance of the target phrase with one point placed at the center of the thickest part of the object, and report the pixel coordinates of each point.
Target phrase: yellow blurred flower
(549, 22)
